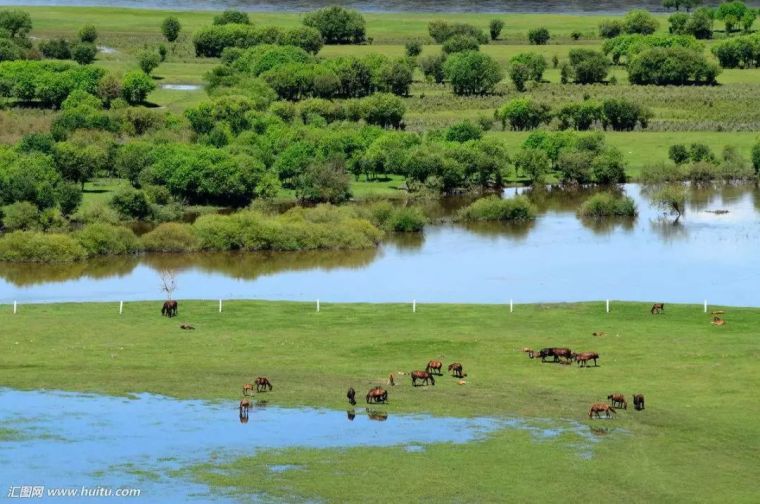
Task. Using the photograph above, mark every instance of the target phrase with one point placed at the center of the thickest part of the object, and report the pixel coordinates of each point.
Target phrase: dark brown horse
(456, 369)
(169, 309)
(657, 308)
(423, 376)
(638, 402)
(434, 366)
(262, 383)
(377, 395)
(618, 401)
(351, 396)
(555, 353)
(248, 387)
(583, 358)
(598, 408)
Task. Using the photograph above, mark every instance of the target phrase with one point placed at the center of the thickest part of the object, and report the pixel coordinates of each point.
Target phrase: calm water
(70, 440)
(559, 257)
(536, 6)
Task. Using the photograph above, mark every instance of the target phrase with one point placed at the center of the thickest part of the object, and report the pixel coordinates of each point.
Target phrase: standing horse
(583, 358)
(248, 387)
(377, 395)
(657, 308)
(262, 383)
(434, 365)
(169, 309)
(423, 376)
(351, 396)
(598, 408)
(638, 402)
(456, 369)
(618, 401)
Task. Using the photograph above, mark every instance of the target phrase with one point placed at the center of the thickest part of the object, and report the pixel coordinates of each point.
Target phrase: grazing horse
(169, 309)
(598, 408)
(245, 405)
(456, 369)
(556, 353)
(436, 366)
(638, 402)
(351, 396)
(248, 387)
(618, 401)
(377, 395)
(657, 308)
(423, 376)
(262, 383)
(583, 358)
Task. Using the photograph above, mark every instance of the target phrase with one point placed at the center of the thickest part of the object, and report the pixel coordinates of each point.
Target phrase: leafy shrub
(69, 198)
(170, 237)
(756, 158)
(538, 36)
(494, 28)
(460, 43)
(308, 39)
(493, 208)
(624, 115)
(9, 51)
(32, 246)
(170, 28)
(231, 16)
(523, 114)
(579, 116)
(671, 66)
(640, 21)
(413, 47)
(383, 109)
(628, 46)
(131, 203)
(16, 23)
(610, 28)
(739, 52)
(608, 205)
(212, 40)
(405, 220)
(148, 61)
(21, 216)
(324, 182)
(440, 31)
(678, 153)
(338, 25)
(463, 131)
(472, 73)
(55, 49)
(533, 163)
(136, 86)
(84, 52)
(432, 67)
(526, 66)
(106, 239)
(588, 67)
(88, 33)
(670, 198)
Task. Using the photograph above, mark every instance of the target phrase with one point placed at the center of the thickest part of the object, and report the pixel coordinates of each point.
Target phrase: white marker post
(510, 306)
(414, 306)
(220, 306)
(317, 305)
(705, 306)
(14, 307)
(121, 307)
(608, 306)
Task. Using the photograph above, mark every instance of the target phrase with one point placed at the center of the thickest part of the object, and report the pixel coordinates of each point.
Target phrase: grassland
(696, 441)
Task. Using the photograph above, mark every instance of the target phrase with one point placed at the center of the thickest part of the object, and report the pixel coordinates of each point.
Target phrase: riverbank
(695, 377)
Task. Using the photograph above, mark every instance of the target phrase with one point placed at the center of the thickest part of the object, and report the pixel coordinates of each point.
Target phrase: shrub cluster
(440, 31)
(337, 25)
(738, 52)
(46, 82)
(628, 46)
(493, 208)
(619, 115)
(211, 41)
(608, 205)
(678, 66)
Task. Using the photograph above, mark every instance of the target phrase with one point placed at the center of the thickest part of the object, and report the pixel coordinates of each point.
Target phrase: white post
(14, 307)
(220, 306)
(317, 305)
(121, 307)
(608, 306)
(510, 306)
(705, 306)
(414, 306)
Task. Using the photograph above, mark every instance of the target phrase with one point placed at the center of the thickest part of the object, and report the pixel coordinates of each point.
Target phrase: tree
(533, 163)
(624, 115)
(640, 21)
(579, 116)
(678, 153)
(88, 33)
(472, 73)
(610, 28)
(79, 161)
(520, 74)
(16, 22)
(308, 39)
(84, 52)
(338, 25)
(756, 158)
(383, 109)
(747, 20)
(678, 22)
(526, 66)
(523, 114)
(55, 48)
(136, 86)
(170, 28)
(460, 43)
(432, 67)
(231, 16)
(395, 76)
(679, 66)
(732, 13)
(131, 203)
(148, 61)
(413, 47)
(538, 36)
(495, 27)
(325, 181)
(9, 51)
(463, 131)
(700, 24)
(168, 282)
(588, 66)
(671, 199)
(440, 31)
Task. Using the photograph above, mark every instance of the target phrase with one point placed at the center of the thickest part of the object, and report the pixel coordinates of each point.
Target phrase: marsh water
(72, 440)
(531, 6)
(709, 253)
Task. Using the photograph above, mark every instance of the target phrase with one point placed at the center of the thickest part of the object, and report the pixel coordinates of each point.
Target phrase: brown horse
(351, 396)
(248, 387)
(377, 395)
(638, 402)
(434, 365)
(423, 376)
(618, 401)
(556, 353)
(598, 408)
(657, 308)
(583, 358)
(456, 369)
(262, 383)
(169, 309)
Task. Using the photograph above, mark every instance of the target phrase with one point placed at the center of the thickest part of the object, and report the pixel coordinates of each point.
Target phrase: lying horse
(423, 376)
(377, 395)
(618, 401)
(583, 358)
(351, 396)
(434, 365)
(248, 387)
(638, 402)
(598, 408)
(456, 369)
(169, 309)
(657, 308)
(262, 383)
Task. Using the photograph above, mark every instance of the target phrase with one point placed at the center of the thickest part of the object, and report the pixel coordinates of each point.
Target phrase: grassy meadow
(697, 440)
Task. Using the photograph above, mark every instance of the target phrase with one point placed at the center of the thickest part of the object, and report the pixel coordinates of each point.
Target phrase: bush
(413, 47)
(9, 51)
(405, 220)
(136, 86)
(640, 21)
(671, 66)
(526, 66)
(608, 205)
(493, 208)
(30, 246)
(463, 131)
(88, 33)
(440, 31)
(732, 13)
(170, 237)
(460, 43)
(523, 114)
(170, 28)
(212, 40)
(756, 158)
(624, 115)
(55, 49)
(533, 163)
(739, 52)
(69, 198)
(610, 28)
(588, 67)
(628, 46)
(131, 203)
(472, 73)
(383, 109)
(106, 239)
(608, 167)
(22, 216)
(231, 16)
(579, 116)
(678, 153)
(16, 23)
(308, 39)
(148, 61)
(538, 36)
(84, 52)
(432, 67)
(494, 27)
(671, 199)
(324, 182)
(337, 25)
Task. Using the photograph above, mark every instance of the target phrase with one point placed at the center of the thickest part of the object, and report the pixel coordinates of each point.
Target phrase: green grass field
(697, 441)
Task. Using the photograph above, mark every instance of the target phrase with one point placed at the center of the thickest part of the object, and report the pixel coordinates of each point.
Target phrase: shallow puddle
(181, 87)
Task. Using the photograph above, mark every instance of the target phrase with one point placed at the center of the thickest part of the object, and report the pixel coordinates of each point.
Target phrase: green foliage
(131, 203)
(16, 23)
(324, 182)
(472, 73)
(231, 16)
(84, 52)
(494, 27)
(171, 28)
(678, 153)
(212, 40)
(337, 25)
(610, 28)
(628, 46)
(88, 33)
(533, 163)
(738, 52)
(440, 31)
(579, 116)
(383, 109)
(538, 36)
(21, 216)
(463, 131)
(493, 208)
(307, 38)
(106, 239)
(756, 158)
(432, 67)
(28, 177)
(460, 43)
(605, 204)
(170, 237)
(148, 61)
(260, 59)
(162, 52)
(69, 198)
(9, 50)
(671, 66)
(32, 246)
(588, 66)
(136, 86)
(624, 115)
(670, 198)
(81, 158)
(55, 49)
(523, 114)
(413, 47)
(526, 66)
(640, 21)
(406, 219)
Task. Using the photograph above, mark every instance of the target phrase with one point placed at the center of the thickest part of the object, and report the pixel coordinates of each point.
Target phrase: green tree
(640, 21)
(136, 86)
(16, 23)
(131, 203)
(538, 36)
(383, 109)
(523, 114)
(148, 61)
(460, 43)
(533, 163)
(84, 52)
(88, 33)
(472, 73)
(624, 115)
(731, 13)
(231, 16)
(413, 47)
(432, 67)
(171, 28)
(678, 153)
(610, 28)
(338, 25)
(588, 66)
(756, 158)
(494, 27)
(526, 66)
(325, 181)
(463, 131)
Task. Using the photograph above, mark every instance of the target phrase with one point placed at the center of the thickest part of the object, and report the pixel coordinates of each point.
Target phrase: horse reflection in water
(380, 416)
(350, 414)
(245, 405)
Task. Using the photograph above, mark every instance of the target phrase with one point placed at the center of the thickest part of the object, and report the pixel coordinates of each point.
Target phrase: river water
(559, 257)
